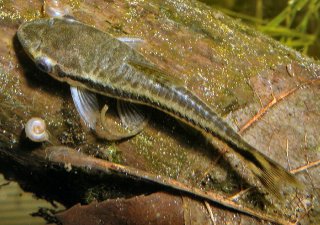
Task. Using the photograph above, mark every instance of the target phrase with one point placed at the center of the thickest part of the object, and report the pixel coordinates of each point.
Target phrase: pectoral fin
(132, 117)
(86, 104)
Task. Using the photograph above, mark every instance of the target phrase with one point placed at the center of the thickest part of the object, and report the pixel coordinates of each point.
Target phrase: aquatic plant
(296, 25)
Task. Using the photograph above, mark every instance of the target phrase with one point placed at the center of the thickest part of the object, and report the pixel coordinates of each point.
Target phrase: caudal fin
(271, 174)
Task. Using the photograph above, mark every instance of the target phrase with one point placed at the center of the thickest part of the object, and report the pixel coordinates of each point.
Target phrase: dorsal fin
(131, 41)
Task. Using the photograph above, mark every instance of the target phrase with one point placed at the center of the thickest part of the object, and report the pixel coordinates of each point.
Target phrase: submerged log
(264, 90)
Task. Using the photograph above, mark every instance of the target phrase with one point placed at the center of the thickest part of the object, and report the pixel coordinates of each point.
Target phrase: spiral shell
(55, 8)
(36, 130)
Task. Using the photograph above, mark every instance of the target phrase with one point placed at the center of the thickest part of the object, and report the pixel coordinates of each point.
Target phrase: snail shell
(55, 8)
(36, 130)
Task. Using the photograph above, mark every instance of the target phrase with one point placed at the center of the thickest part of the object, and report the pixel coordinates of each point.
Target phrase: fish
(93, 61)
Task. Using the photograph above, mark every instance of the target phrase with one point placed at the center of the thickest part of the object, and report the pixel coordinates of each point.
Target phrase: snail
(36, 130)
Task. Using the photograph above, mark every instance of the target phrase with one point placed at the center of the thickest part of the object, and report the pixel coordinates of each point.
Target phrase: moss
(112, 154)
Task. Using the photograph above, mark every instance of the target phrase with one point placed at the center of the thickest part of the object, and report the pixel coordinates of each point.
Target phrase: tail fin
(270, 173)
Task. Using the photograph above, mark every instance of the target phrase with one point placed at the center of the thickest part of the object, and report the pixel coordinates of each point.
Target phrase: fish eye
(44, 64)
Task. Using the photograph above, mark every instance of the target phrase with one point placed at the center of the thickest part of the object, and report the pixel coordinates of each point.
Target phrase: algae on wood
(268, 92)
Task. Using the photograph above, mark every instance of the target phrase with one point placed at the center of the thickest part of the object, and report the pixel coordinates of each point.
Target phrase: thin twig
(258, 115)
(61, 154)
(266, 108)
(209, 211)
(305, 167)
(239, 194)
(273, 102)
(307, 210)
(287, 150)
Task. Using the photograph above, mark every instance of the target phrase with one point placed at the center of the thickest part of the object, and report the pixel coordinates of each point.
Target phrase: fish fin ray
(132, 115)
(272, 175)
(86, 103)
(131, 41)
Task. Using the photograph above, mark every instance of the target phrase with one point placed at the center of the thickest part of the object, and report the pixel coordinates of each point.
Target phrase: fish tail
(271, 174)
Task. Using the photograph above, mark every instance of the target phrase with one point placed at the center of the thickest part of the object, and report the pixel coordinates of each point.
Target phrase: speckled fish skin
(89, 58)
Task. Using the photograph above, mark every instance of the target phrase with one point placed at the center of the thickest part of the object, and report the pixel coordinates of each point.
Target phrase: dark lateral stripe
(248, 156)
(143, 99)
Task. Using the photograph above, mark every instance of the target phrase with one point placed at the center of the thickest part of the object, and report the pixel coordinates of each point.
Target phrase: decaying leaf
(157, 208)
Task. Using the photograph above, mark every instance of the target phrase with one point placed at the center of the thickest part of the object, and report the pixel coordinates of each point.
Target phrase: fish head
(31, 35)
(52, 44)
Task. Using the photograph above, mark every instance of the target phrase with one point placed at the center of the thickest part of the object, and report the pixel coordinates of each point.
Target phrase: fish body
(85, 57)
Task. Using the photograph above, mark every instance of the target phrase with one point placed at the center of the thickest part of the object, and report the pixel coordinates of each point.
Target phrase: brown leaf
(158, 209)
